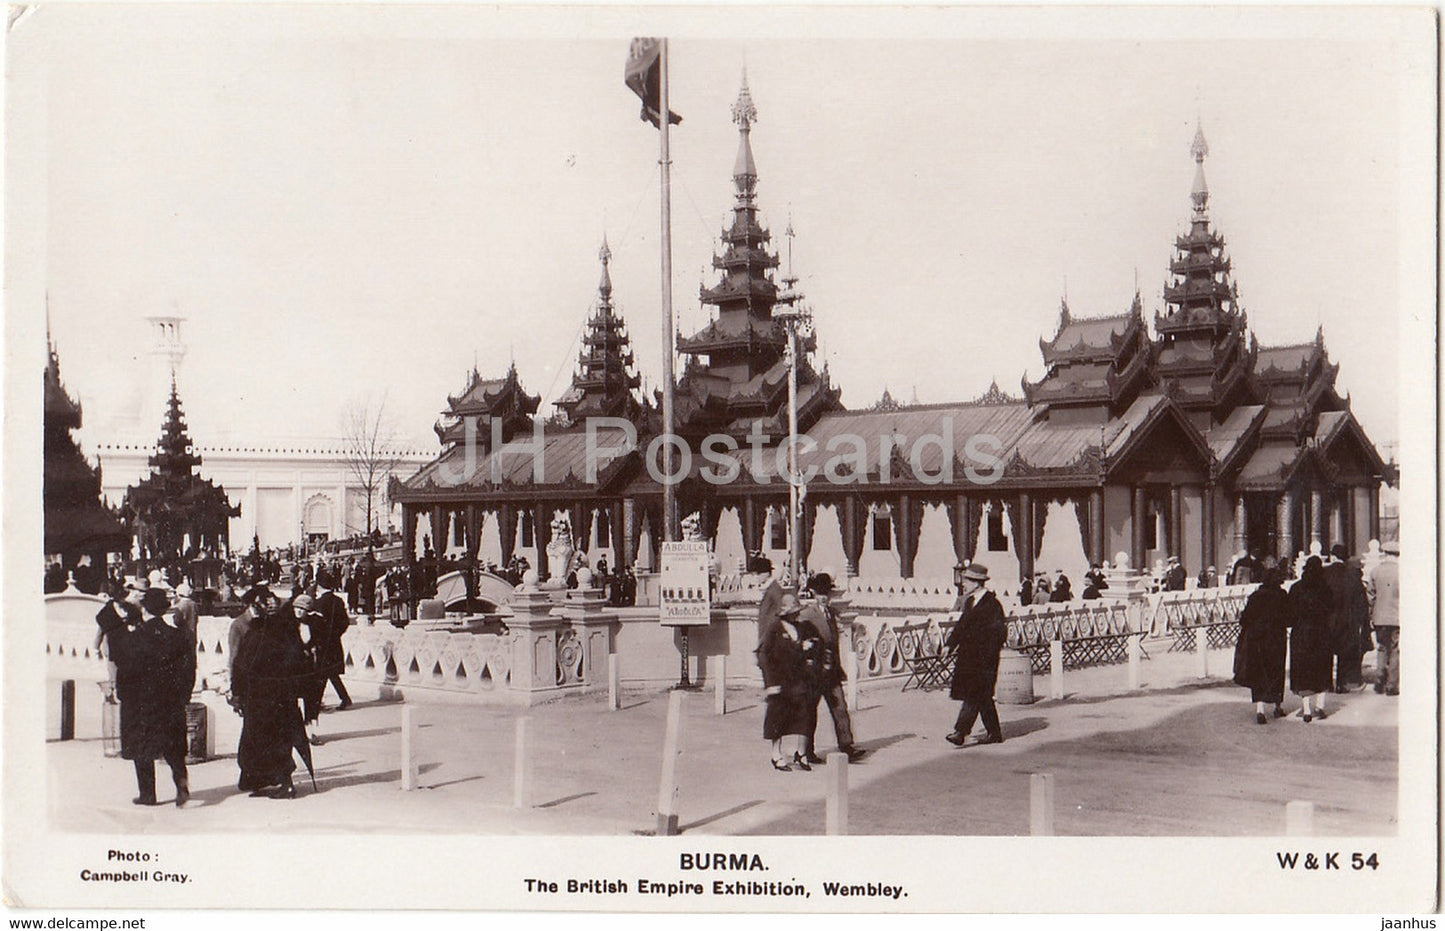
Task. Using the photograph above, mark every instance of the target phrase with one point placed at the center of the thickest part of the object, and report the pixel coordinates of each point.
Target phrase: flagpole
(669, 497)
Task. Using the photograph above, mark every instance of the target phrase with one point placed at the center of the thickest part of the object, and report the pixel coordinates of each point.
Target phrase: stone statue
(560, 552)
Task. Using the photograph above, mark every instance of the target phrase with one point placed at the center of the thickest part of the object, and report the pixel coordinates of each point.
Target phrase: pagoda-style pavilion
(1194, 442)
(77, 522)
(173, 513)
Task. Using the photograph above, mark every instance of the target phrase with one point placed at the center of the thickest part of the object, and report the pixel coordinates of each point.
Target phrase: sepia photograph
(721, 459)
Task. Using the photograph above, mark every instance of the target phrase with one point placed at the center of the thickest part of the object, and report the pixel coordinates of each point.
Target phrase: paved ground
(1182, 757)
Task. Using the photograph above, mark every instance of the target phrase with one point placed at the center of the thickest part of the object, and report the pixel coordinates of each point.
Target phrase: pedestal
(534, 642)
(595, 630)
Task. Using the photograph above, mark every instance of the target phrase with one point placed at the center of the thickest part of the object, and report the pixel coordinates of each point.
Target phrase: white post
(1299, 819)
(614, 683)
(1041, 804)
(671, 751)
(1056, 669)
(1201, 646)
(521, 769)
(1136, 666)
(720, 685)
(408, 749)
(837, 807)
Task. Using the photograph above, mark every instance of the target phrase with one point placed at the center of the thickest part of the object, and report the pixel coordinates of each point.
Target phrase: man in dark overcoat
(830, 675)
(976, 641)
(329, 628)
(155, 673)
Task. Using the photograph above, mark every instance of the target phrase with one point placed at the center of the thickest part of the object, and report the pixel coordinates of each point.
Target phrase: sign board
(683, 585)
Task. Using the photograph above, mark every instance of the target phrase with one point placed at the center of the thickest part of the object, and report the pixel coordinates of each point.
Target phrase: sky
(349, 202)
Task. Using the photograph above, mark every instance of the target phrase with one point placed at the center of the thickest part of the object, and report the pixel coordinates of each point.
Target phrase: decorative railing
(1180, 615)
(922, 595)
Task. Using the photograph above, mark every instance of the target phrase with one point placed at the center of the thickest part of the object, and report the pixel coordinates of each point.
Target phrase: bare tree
(370, 450)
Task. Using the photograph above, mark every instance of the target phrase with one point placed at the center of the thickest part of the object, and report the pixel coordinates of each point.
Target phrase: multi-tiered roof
(173, 502)
(737, 371)
(1096, 362)
(605, 384)
(76, 520)
(483, 401)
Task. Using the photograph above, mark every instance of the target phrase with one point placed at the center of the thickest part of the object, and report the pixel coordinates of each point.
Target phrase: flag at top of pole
(643, 77)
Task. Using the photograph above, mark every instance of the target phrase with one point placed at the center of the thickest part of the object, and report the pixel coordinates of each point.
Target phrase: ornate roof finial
(605, 255)
(1199, 148)
(745, 172)
(744, 112)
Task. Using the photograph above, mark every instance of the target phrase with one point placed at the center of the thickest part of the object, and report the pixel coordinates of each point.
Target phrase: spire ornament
(1199, 148)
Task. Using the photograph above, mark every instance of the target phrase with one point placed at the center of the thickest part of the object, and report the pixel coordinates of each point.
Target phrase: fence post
(837, 807)
(67, 709)
(1136, 666)
(1201, 646)
(671, 750)
(1056, 669)
(614, 683)
(408, 749)
(1299, 819)
(521, 768)
(1041, 804)
(720, 683)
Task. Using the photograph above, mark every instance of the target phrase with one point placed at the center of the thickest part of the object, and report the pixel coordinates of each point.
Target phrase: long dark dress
(1311, 641)
(273, 671)
(1263, 643)
(784, 661)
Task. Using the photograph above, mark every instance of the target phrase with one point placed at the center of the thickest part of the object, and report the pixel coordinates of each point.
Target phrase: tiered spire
(605, 383)
(173, 458)
(1204, 354)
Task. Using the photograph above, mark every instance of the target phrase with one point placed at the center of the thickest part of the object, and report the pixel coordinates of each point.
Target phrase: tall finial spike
(745, 113)
(1199, 148)
(605, 255)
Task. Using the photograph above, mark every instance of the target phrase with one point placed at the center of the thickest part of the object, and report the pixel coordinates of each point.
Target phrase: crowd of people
(1323, 625)
(282, 656)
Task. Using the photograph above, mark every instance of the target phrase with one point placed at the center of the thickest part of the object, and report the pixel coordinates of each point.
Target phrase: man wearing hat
(830, 677)
(1385, 616)
(1175, 576)
(976, 641)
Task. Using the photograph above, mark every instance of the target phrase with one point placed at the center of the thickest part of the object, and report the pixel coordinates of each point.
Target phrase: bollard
(408, 749)
(67, 709)
(1041, 804)
(1299, 819)
(1136, 666)
(1201, 646)
(671, 750)
(1056, 669)
(614, 683)
(836, 816)
(719, 672)
(521, 772)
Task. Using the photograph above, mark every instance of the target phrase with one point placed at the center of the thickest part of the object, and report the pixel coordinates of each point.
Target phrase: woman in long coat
(1311, 642)
(784, 648)
(273, 672)
(155, 671)
(1263, 643)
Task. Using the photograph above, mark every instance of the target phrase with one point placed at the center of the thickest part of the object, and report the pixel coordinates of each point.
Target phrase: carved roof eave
(1169, 408)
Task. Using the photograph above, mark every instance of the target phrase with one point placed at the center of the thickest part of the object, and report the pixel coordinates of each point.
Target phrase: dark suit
(830, 676)
(976, 641)
(155, 672)
(330, 655)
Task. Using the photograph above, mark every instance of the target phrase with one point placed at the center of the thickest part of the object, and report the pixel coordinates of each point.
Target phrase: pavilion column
(1337, 521)
(1138, 513)
(1241, 529)
(958, 524)
(1024, 536)
(1096, 527)
(582, 531)
(632, 535)
(507, 532)
(905, 536)
(1206, 498)
(1176, 522)
(852, 529)
(541, 536)
(751, 534)
(1374, 510)
(474, 534)
(1351, 537)
(805, 530)
(616, 534)
(1284, 527)
(1317, 517)
(574, 523)
(408, 553)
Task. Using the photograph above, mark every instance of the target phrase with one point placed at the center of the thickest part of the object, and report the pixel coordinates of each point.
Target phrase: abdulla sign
(685, 598)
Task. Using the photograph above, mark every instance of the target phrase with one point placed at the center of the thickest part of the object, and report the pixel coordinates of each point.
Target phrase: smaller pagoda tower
(483, 400)
(174, 514)
(605, 383)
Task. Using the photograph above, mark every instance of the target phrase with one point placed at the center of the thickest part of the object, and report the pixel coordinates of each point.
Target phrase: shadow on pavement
(563, 800)
(736, 809)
